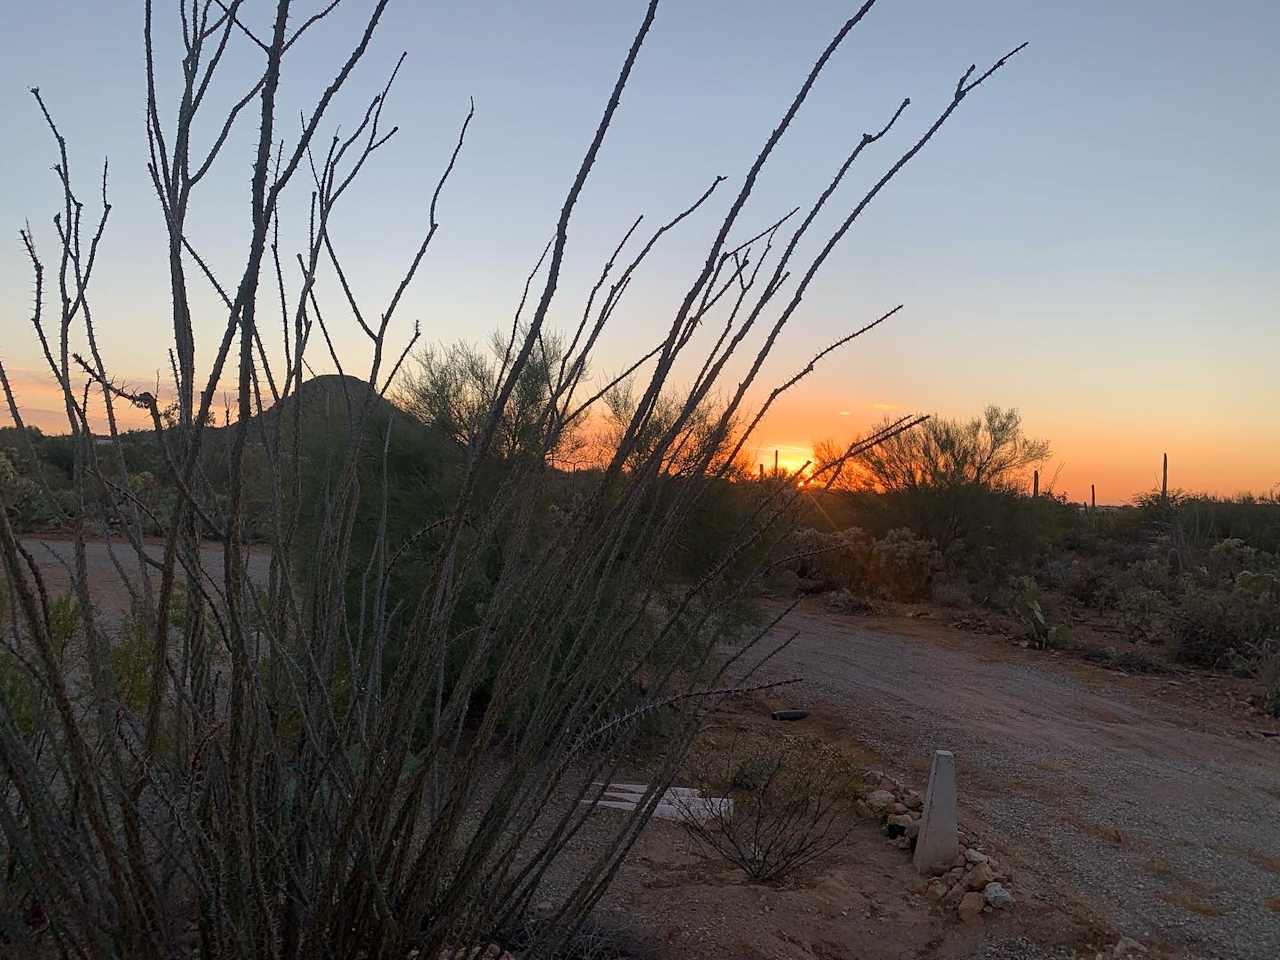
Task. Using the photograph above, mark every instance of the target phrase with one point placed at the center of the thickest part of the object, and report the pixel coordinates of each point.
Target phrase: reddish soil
(864, 900)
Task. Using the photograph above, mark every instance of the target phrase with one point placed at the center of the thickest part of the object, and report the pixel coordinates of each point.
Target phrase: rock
(975, 856)
(794, 713)
(970, 908)
(879, 801)
(959, 861)
(955, 893)
(980, 876)
(1127, 946)
(997, 896)
(913, 800)
(913, 829)
(955, 873)
(892, 784)
(902, 843)
(936, 890)
(899, 820)
(898, 808)
(863, 810)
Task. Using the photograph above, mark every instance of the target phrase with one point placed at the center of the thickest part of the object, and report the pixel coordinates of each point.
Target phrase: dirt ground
(1147, 806)
(1152, 800)
(864, 900)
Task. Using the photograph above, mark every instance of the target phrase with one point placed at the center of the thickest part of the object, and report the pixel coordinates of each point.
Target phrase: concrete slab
(677, 803)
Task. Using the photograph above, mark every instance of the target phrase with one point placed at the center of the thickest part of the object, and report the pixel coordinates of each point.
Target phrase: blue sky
(1093, 238)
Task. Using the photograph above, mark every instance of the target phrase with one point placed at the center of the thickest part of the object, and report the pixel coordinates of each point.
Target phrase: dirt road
(56, 556)
(1166, 827)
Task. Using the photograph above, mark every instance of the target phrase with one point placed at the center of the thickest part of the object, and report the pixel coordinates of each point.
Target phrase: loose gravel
(1169, 831)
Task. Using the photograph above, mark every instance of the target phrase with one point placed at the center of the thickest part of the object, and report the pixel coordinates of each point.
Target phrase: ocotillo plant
(311, 771)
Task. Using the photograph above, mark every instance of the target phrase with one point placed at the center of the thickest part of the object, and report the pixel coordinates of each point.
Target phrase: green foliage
(1227, 627)
(1144, 613)
(23, 698)
(130, 658)
(903, 564)
(1028, 608)
(19, 694)
(1201, 520)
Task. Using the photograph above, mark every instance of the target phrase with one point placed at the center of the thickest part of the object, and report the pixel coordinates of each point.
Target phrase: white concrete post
(938, 843)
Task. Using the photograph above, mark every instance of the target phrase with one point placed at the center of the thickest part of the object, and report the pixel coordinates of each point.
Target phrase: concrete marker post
(938, 843)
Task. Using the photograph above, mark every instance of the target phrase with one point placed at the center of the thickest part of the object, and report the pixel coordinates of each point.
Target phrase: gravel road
(56, 556)
(1167, 829)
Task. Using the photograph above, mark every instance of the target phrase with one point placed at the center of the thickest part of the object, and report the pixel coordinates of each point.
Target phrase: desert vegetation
(381, 744)
(791, 800)
(945, 512)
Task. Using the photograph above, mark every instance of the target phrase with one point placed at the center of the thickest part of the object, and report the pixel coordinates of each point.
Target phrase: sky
(1092, 238)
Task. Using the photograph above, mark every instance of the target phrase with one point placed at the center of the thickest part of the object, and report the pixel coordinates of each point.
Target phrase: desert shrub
(23, 699)
(20, 694)
(899, 565)
(1230, 558)
(952, 591)
(903, 564)
(130, 659)
(1028, 607)
(849, 603)
(1233, 627)
(1090, 580)
(1201, 520)
(792, 802)
(1151, 573)
(1269, 674)
(1144, 613)
(837, 560)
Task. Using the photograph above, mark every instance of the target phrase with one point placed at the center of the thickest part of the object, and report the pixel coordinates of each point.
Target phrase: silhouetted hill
(326, 401)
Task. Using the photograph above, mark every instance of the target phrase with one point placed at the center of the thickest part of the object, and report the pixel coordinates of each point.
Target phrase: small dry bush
(793, 802)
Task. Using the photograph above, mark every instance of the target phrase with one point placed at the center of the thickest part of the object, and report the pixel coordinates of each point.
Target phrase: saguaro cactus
(1035, 483)
(1164, 480)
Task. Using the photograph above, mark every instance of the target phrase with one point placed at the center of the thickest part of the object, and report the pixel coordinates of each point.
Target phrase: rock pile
(973, 884)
